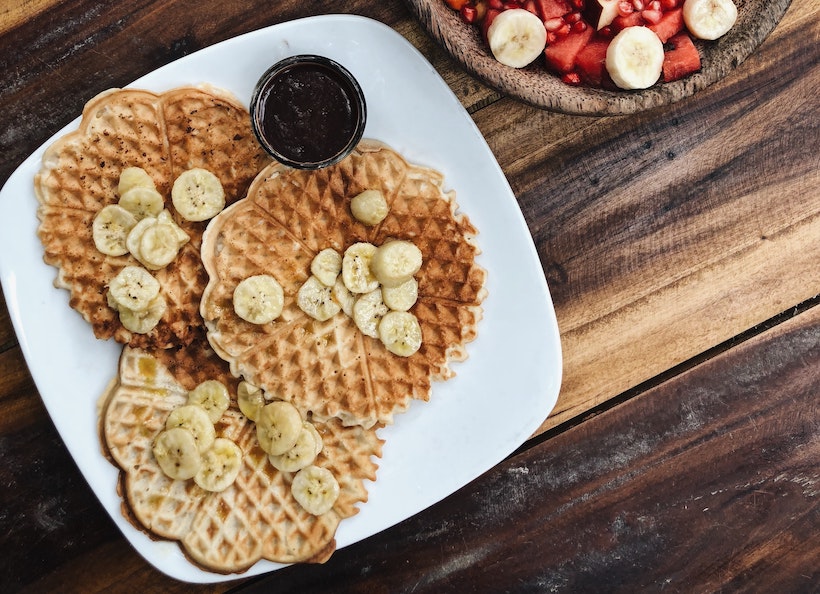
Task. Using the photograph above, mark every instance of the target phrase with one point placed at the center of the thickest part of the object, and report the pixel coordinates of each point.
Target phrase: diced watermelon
(562, 53)
(489, 16)
(670, 25)
(591, 61)
(633, 19)
(682, 60)
(550, 9)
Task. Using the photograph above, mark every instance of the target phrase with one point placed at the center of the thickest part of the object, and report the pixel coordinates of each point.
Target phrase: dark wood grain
(533, 84)
(669, 238)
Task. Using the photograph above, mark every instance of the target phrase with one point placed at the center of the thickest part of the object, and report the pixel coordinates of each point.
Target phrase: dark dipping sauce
(308, 112)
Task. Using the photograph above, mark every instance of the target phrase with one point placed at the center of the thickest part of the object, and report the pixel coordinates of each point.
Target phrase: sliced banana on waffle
(401, 297)
(709, 19)
(212, 396)
(369, 207)
(198, 195)
(193, 418)
(400, 333)
(176, 452)
(142, 202)
(278, 425)
(395, 262)
(134, 177)
(144, 320)
(516, 37)
(326, 266)
(110, 229)
(634, 58)
(251, 399)
(316, 299)
(356, 273)
(133, 288)
(220, 465)
(302, 454)
(258, 299)
(368, 312)
(156, 241)
(342, 295)
(315, 489)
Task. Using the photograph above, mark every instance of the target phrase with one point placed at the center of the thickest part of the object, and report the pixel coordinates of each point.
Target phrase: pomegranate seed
(625, 8)
(638, 5)
(571, 78)
(654, 5)
(653, 17)
(578, 4)
(563, 31)
(468, 14)
(551, 37)
(554, 24)
(496, 4)
(573, 17)
(579, 26)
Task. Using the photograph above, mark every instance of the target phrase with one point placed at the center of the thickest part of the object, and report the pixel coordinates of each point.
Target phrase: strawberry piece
(561, 55)
(682, 60)
(671, 24)
(549, 9)
(591, 61)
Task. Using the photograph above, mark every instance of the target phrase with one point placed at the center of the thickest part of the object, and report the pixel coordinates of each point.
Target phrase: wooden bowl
(537, 86)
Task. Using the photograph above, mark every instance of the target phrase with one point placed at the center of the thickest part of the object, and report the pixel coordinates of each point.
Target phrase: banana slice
(342, 295)
(134, 177)
(278, 425)
(302, 454)
(198, 195)
(176, 453)
(709, 19)
(402, 297)
(634, 58)
(110, 230)
(212, 396)
(196, 420)
(159, 242)
(395, 262)
(133, 288)
(369, 207)
(250, 399)
(220, 465)
(315, 489)
(516, 37)
(356, 272)
(316, 300)
(317, 437)
(142, 202)
(400, 333)
(258, 299)
(368, 312)
(144, 320)
(326, 266)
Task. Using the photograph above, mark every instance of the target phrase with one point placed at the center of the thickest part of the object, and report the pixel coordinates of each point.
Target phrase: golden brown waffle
(255, 518)
(330, 368)
(164, 134)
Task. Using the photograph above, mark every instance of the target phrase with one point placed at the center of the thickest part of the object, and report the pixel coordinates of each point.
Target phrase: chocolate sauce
(309, 113)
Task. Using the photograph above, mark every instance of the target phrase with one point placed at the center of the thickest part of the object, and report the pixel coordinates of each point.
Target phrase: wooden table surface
(681, 248)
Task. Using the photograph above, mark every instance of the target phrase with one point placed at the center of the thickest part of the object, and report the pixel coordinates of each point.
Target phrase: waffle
(255, 518)
(330, 368)
(164, 134)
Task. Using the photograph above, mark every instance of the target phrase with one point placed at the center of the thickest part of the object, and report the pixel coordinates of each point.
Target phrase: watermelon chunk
(561, 54)
(670, 25)
(682, 60)
(550, 9)
(591, 61)
(633, 19)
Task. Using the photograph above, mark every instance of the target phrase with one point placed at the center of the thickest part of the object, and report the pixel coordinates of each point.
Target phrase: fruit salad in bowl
(609, 44)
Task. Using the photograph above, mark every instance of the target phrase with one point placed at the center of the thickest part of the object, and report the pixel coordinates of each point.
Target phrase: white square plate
(501, 394)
